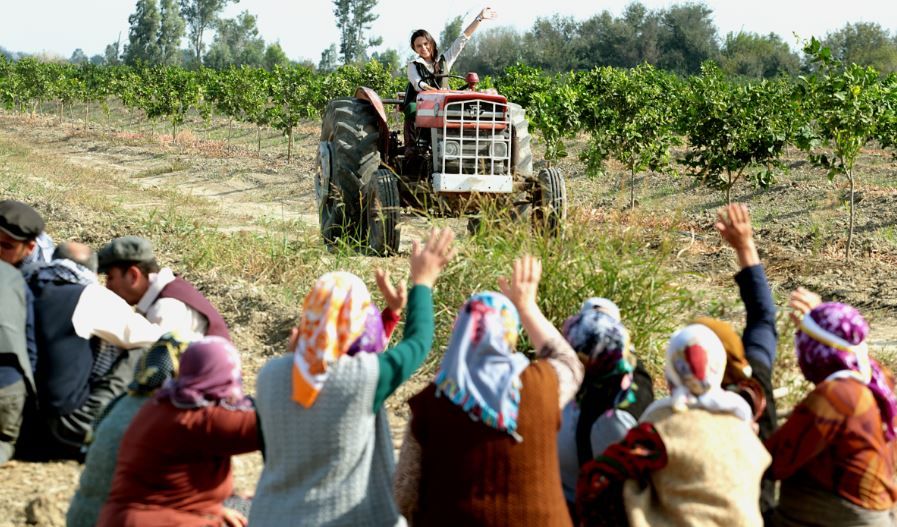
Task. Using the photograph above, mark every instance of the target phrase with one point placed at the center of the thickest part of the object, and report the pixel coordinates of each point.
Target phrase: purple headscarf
(831, 342)
(209, 374)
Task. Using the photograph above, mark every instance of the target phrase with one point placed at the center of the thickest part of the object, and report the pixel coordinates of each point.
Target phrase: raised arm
(399, 362)
(486, 14)
(522, 290)
(760, 336)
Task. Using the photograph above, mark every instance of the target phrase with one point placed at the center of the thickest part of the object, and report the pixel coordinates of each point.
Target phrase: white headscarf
(695, 364)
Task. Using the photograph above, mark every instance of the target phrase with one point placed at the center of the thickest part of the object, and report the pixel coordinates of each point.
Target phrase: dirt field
(800, 222)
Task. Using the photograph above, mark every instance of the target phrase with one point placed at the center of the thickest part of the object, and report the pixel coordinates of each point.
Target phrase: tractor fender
(322, 178)
(369, 95)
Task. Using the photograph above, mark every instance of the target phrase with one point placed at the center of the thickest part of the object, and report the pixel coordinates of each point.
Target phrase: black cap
(127, 249)
(19, 220)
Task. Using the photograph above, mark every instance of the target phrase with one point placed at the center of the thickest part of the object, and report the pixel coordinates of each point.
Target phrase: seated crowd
(140, 381)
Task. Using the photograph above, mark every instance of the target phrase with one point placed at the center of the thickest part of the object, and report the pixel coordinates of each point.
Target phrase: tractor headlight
(498, 149)
(452, 149)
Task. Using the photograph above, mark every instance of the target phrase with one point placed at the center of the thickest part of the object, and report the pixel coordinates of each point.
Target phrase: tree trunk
(632, 187)
(852, 211)
(258, 136)
(87, 116)
(230, 127)
(174, 133)
(61, 110)
(289, 144)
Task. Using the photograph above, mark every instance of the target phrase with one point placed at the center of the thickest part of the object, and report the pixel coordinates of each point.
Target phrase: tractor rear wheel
(351, 131)
(549, 201)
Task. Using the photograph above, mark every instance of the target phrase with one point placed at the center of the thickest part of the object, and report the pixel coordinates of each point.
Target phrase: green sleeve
(399, 362)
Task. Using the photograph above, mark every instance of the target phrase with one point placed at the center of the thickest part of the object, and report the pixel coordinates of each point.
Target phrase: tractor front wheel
(381, 213)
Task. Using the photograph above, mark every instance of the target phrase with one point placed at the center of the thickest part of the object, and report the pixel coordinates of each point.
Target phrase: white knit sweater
(331, 464)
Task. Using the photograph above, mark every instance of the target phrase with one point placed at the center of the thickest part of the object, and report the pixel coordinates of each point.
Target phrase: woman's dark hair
(426, 34)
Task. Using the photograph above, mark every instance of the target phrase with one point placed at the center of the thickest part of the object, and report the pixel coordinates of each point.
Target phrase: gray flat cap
(127, 249)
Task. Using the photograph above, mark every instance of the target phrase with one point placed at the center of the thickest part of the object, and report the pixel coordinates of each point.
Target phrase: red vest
(474, 475)
(184, 291)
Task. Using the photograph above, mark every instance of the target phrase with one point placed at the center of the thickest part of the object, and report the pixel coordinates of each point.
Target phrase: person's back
(99, 466)
(174, 464)
(331, 463)
(855, 463)
(476, 475)
(715, 463)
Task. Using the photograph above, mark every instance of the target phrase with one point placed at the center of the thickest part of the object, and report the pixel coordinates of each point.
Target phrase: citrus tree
(630, 116)
(844, 106)
(735, 131)
(550, 103)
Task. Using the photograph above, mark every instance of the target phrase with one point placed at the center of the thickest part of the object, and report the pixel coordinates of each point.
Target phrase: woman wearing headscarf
(481, 448)
(173, 464)
(836, 453)
(156, 366)
(670, 467)
(328, 450)
(615, 391)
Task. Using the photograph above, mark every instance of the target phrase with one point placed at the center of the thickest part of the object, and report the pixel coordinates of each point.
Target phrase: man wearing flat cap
(20, 225)
(163, 298)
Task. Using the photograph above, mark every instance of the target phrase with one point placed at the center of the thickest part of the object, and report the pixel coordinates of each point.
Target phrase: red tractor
(471, 147)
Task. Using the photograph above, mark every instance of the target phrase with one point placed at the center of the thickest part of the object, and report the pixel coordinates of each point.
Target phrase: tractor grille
(475, 139)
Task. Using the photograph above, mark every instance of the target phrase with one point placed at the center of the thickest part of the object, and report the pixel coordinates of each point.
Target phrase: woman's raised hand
(396, 296)
(522, 289)
(428, 261)
(488, 13)
(801, 302)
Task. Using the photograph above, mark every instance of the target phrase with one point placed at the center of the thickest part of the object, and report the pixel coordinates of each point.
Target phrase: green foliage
(143, 36)
(275, 56)
(201, 15)
(758, 56)
(169, 92)
(864, 43)
(735, 131)
(843, 107)
(450, 32)
(586, 261)
(237, 43)
(171, 30)
(630, 117)
(354, 18)
(550, 102)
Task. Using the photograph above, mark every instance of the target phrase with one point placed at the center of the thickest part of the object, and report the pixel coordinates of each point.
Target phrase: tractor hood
(461, 109)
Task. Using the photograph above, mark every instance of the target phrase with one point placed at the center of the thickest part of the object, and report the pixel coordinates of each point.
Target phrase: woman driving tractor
(424, 71)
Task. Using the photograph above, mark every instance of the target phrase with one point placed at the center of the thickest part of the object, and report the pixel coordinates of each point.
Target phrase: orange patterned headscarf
(333, 318)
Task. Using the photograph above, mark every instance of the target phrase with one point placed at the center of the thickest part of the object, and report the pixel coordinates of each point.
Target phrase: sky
(305, 28)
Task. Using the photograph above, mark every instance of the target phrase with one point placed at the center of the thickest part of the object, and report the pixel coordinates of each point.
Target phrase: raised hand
(488, 13)
(395, 296)
(522, 288)
(801, 302)
(428, 261)
(734, 225)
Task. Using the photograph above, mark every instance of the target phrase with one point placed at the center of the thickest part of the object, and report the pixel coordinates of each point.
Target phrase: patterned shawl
(338, 318)
(209, 373)
(695, 364)
(602, 344)
(480, 371)
(831, 343)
